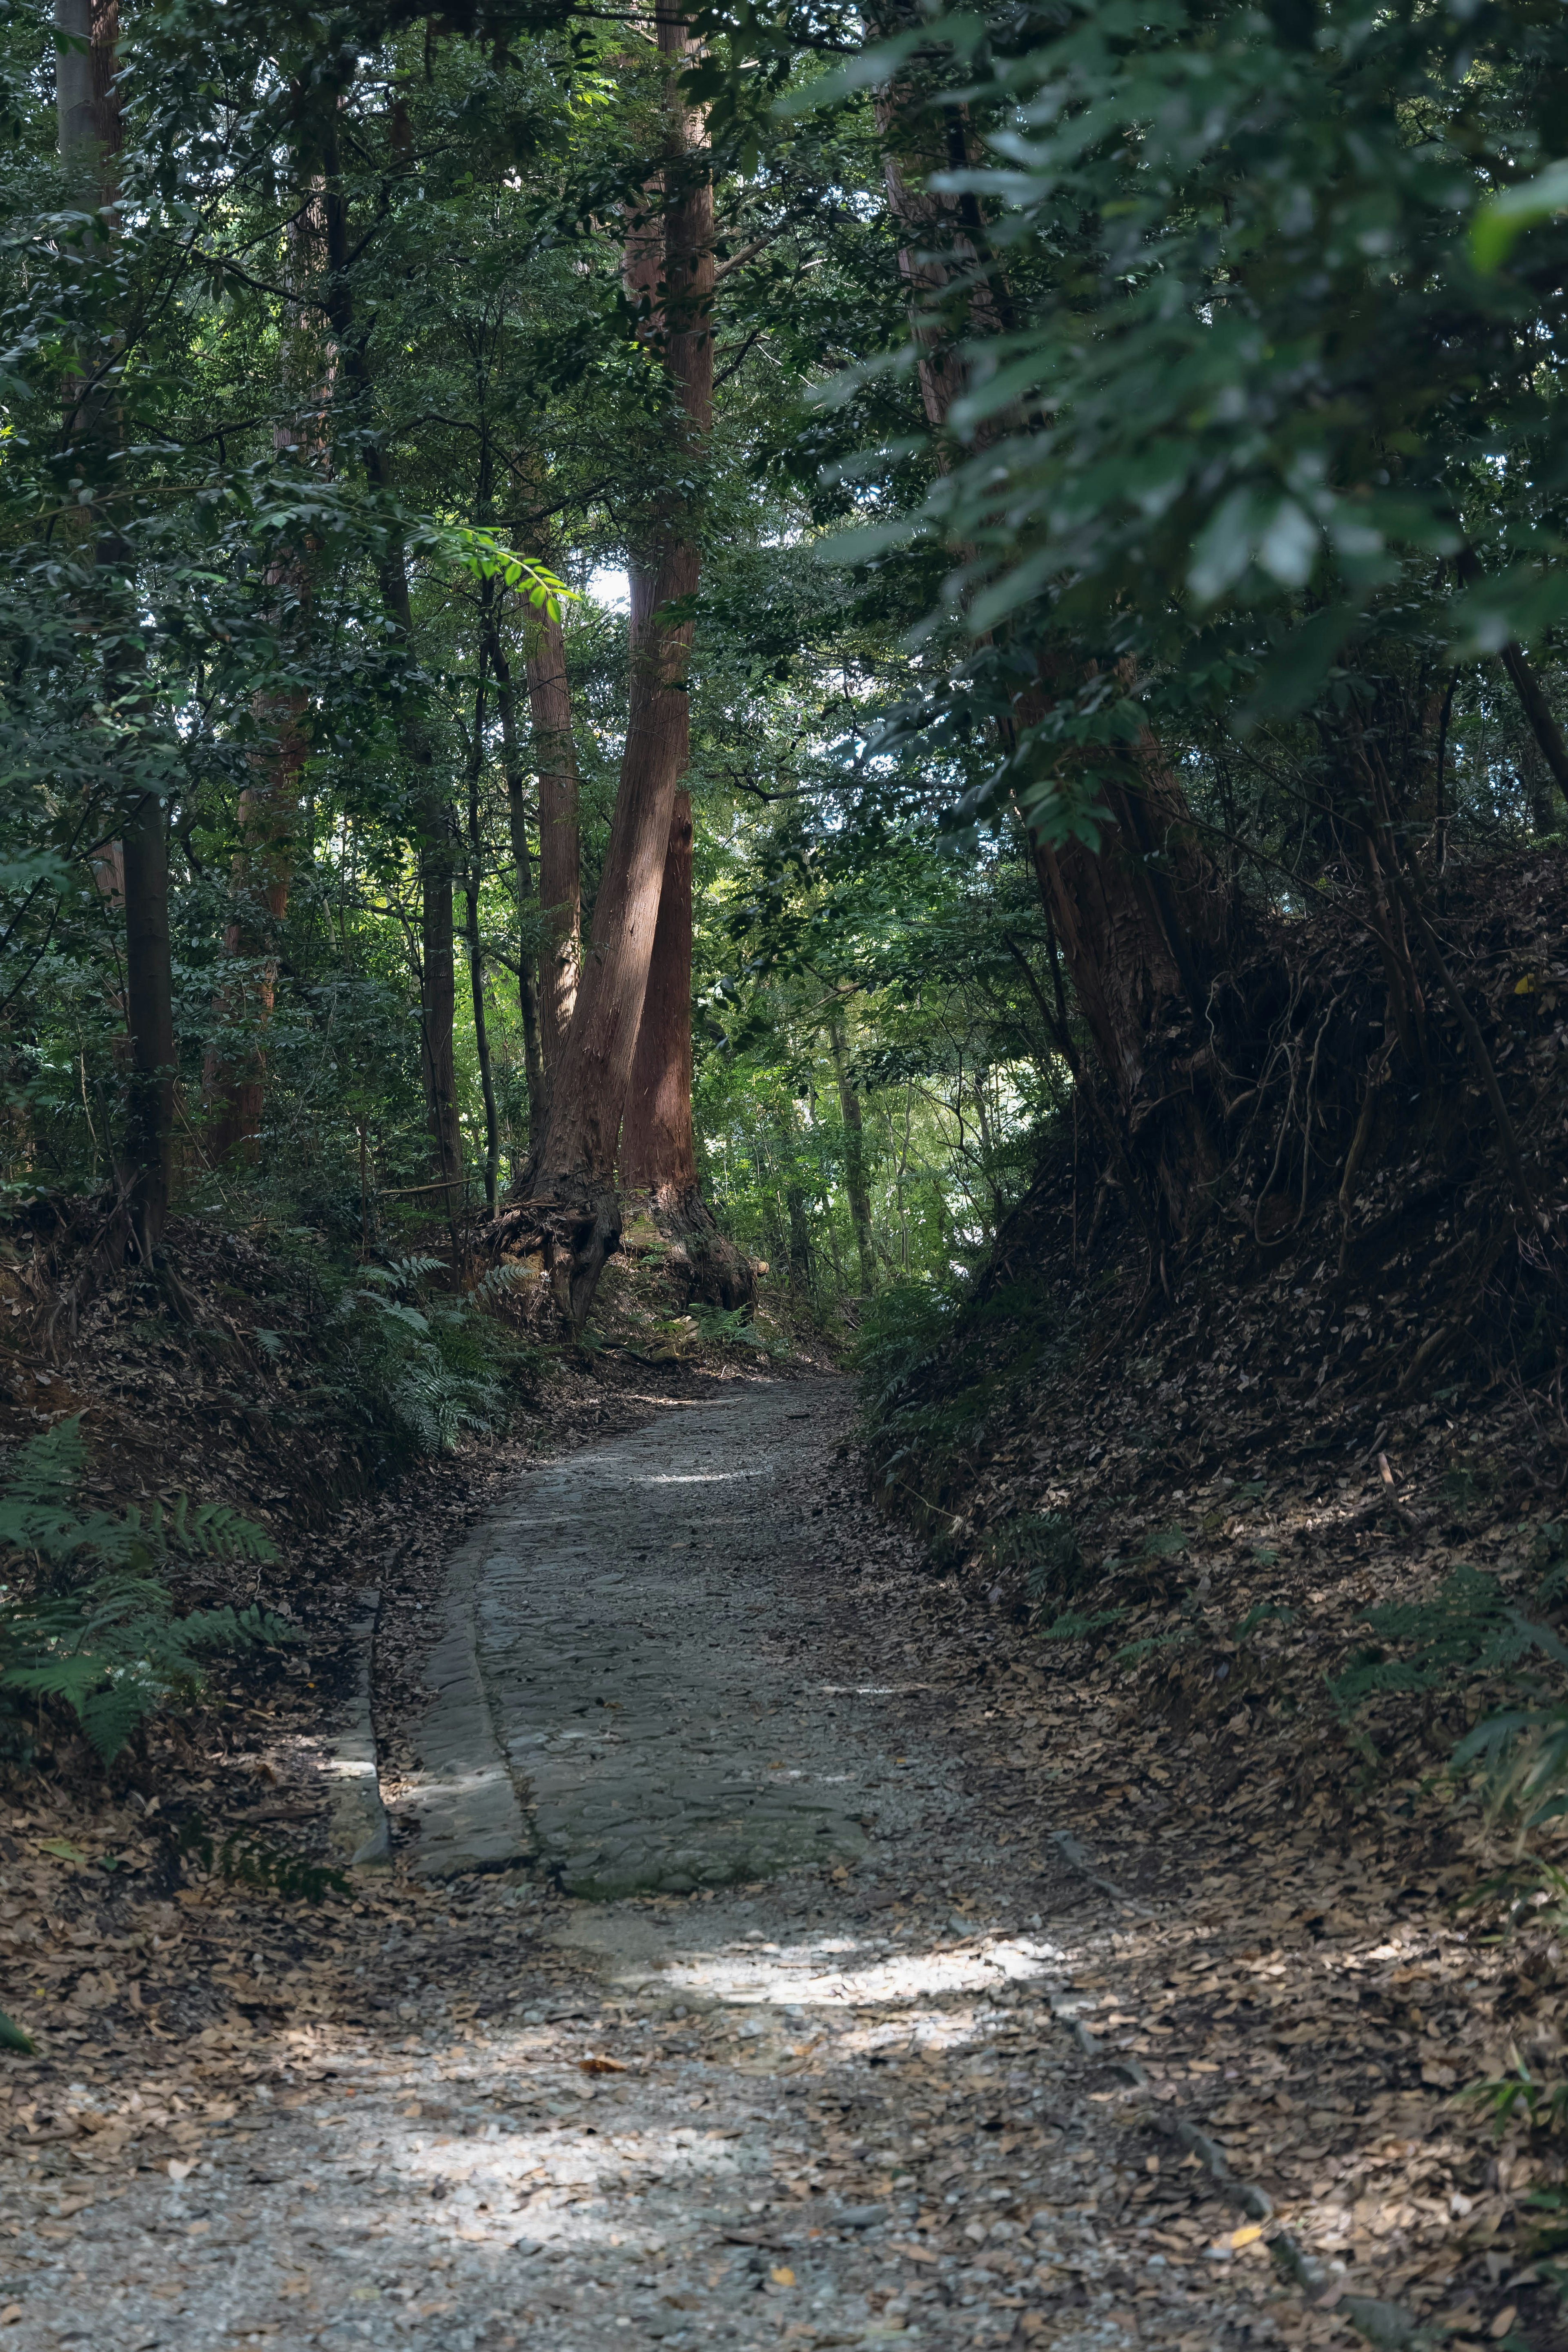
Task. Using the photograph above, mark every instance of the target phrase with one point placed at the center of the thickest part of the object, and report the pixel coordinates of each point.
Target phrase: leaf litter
(1271, 1946)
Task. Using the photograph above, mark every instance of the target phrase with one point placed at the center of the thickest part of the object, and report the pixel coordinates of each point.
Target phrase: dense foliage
(1251, 449)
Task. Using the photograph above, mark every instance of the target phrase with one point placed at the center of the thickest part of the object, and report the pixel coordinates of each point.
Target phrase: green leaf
(1502, 219)
(13, 2038)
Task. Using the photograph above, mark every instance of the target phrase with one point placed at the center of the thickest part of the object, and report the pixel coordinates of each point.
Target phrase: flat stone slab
(603, 1665)
(463, 1796)
(360, 1834)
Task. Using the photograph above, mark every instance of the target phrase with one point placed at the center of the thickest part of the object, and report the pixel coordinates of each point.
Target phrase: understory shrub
(423, 1366)
(97, 1629)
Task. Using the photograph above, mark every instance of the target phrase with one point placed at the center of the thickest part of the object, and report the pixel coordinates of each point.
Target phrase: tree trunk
(560, 856)
(433, 828)
(233, 1085)
(149, 1016)
(853, 1159)
(658, 1151)
(1542, 800)
(522, 878)
(472, 880)
(1143, 916)
(438, 990)
(800, 1265)
(572, 1182)
(1143, 922)
(89, 118)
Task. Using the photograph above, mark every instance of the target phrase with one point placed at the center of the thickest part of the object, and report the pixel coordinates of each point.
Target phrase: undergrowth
(923, 1430)
(418, 1364)
(98, 1629)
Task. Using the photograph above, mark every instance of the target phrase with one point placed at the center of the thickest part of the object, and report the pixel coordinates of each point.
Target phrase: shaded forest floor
(1127, 1608)
(1238, 1570)
(964, 2090)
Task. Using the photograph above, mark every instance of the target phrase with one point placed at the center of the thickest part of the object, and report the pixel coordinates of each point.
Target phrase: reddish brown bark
(559, 854)
(1143, 917)
(659, 1152)
(1142, 920)
(572, 1182)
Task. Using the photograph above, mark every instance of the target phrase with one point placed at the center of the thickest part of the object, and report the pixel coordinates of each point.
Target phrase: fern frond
(50, 1467)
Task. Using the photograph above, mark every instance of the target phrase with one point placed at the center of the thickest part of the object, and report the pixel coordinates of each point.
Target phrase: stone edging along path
(599, 1661)
(603, 1710)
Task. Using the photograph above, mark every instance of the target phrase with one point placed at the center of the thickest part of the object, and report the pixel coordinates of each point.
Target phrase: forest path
(619, 1687)
(837, 2105)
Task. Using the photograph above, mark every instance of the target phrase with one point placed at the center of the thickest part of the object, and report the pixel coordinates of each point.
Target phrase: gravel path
(612, 1653)
(804, 2081)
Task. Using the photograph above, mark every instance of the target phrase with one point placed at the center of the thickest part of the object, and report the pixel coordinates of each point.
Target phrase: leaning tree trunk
(90, 133)
(570, 1196)
(1144, 919)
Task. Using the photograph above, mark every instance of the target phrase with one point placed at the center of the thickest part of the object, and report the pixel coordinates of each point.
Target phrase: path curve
(608, 1699)
(839, 2103)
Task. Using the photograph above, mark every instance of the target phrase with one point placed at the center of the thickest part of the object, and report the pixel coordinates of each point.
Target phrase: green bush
(99, 1630)
(1044, 1545)
(1471, 1628)
(426, 1367)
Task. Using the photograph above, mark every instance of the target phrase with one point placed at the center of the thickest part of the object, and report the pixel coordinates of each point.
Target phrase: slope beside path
(780, 2014)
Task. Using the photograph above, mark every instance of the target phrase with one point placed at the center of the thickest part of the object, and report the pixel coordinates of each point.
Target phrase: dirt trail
(809, 2079)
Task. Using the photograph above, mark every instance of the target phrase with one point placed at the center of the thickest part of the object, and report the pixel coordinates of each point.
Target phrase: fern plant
(1470, 1627)
(99, 1630)
(246, 1862)
(117, 1652)
(730, 1326)
(430, 1368)
(38, 1516)
(1044, 1545)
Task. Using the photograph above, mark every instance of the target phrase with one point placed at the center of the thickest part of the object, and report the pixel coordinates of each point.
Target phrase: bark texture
(559, 854)
(90, 135)
(1143, 918)
(233, 1082)
(658, 1148)
(522, 875)
(854, 1183)
(572, 1182)
(1143, 925)
(437, 987)
(658, 1151)
(433, 826)
(149, 1017)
